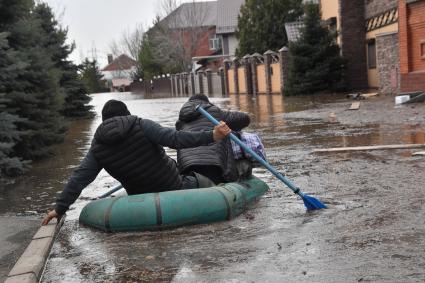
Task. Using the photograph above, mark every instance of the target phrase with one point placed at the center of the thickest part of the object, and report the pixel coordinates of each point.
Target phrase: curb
(30, 265)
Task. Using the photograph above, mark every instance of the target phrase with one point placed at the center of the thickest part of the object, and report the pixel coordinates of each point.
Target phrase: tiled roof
(227, 15)
(122, 62)
(193, 14)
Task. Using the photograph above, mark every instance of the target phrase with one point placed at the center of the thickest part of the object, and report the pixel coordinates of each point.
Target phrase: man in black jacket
(131, 150)
(215, 161)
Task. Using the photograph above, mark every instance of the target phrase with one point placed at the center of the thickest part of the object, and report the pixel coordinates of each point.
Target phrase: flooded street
(373, 231)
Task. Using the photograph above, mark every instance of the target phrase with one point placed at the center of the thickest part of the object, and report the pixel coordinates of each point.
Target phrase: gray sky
(95, 23)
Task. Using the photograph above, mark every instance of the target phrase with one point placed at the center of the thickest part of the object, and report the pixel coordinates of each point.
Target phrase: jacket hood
(188, 111)
(115, 129)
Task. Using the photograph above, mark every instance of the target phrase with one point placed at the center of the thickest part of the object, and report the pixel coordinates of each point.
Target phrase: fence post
(222, 81)
(180, 84)
(176, 84)
(226, 64)
(247, 73)
(201, 82)
(254, 60)
(172, 85)
(192, 83)
(268, 61)
(185, 83)
(235, 74)
(209, 81)
(284, 60)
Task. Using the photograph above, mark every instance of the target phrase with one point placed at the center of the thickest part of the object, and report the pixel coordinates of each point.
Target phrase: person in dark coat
(131, 150)
(215, 161)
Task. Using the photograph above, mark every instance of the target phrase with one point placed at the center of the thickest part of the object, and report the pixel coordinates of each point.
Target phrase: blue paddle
(309, 202)
(113, 190)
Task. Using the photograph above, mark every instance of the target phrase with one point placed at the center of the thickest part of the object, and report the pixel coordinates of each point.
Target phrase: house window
(214, 43)
(371, 54)
(423, 49)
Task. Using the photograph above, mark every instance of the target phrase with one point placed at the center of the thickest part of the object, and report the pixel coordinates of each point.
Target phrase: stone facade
(375, 7)
(353, 42)
(388, 63)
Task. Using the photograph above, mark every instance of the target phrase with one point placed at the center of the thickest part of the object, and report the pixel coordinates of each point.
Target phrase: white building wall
(122, 74)
(233, 44)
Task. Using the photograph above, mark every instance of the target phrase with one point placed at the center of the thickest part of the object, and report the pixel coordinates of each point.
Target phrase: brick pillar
(222, 81)
(192, 83)
(353, 42)
(254, 60)
(235, 74)
(201, 82)
(284, 60)
(267, 62)
(403, 37)
(226, 66)
(247, 74)
(209, 88)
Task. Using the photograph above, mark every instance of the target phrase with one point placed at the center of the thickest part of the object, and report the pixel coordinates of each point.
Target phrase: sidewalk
(15, 235)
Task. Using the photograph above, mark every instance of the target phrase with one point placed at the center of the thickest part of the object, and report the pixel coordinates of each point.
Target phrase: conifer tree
(315, 62)
(72, 87)
(92, 77)
(147, 59)
(35, 94)
(10, 165)
(261, 24)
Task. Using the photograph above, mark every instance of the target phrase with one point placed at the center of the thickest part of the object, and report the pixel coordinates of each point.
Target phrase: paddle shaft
(113, 190)
(253, 154)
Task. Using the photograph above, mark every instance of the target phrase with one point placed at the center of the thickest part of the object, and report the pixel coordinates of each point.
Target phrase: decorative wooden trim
(384, 19)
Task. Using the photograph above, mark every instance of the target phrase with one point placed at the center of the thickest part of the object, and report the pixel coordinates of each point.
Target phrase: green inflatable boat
(154, 211)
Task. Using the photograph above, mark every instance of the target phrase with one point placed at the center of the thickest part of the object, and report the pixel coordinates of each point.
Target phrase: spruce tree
(76, 97)
(315, 63)
(147, 59)
(10, 66)
(261, 24)
(92, 77)
(72, 87)
(35, 94)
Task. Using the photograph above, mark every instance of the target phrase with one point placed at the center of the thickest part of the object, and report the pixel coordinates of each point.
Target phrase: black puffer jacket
(124, 151)
(218, 154)
(131, 150)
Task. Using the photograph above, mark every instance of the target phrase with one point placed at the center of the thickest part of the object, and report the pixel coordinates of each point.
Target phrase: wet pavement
(373, 230)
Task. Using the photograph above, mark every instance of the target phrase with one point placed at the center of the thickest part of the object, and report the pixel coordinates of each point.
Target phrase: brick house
(194, 24)
(215, 25)
(119, 72)
(370, 33)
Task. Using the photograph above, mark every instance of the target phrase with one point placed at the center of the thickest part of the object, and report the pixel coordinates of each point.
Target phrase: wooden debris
(367, 95)
(354, 106)
(373, 147)
(418, 153)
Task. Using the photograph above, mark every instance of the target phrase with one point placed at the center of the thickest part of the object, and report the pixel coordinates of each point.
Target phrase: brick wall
(375, 7)
(388, 63)
(416, 31)
(353, 42)
(411, 32)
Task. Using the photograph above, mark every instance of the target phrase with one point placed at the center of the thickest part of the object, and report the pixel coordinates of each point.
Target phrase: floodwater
(373, 230)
